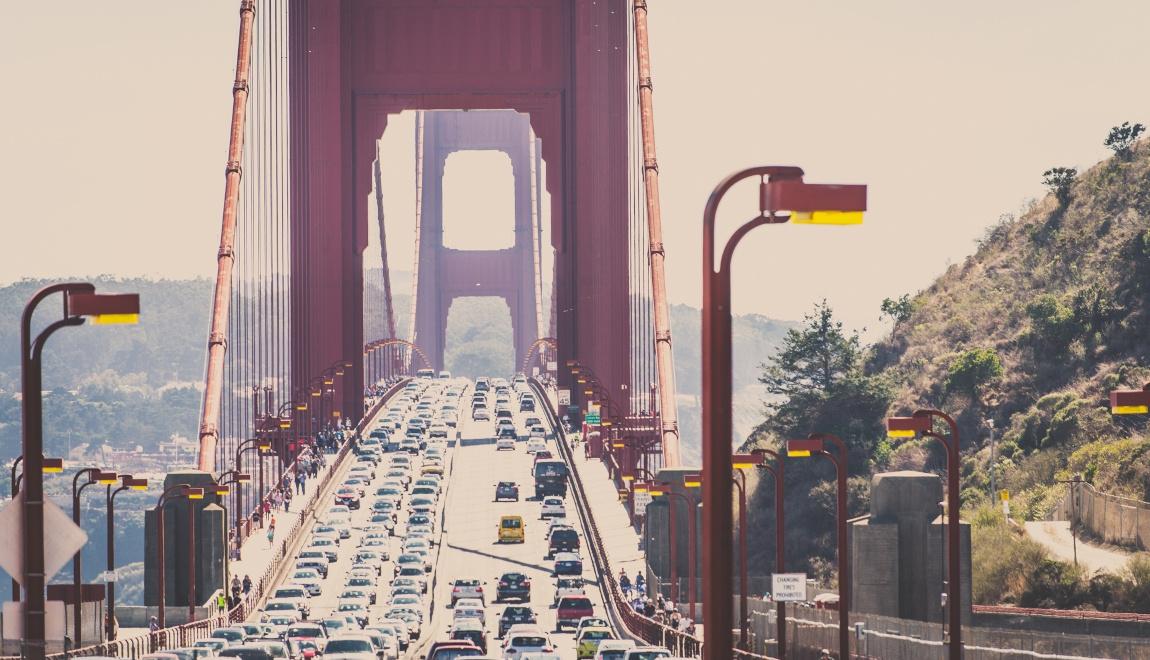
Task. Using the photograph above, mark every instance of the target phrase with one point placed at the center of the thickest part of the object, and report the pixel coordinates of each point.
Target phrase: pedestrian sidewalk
(621, 542)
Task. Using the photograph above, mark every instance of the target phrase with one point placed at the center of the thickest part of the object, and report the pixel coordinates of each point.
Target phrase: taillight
(503, 584)
(479, 589)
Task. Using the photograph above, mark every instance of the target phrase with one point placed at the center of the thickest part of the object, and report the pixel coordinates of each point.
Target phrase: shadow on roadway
(538, 567)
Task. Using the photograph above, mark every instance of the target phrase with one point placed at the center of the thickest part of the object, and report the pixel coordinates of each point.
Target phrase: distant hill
(1060, 297)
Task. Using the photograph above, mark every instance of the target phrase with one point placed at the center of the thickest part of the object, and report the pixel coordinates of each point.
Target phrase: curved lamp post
(127, 482)
(739, 463)
(93, 476)
(80, 301)
(181, 490)
(783, 197)
(692, 481)
(816, 444)
(922, 423)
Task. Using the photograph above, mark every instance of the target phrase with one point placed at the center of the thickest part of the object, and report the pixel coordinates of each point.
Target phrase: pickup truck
(571, 609)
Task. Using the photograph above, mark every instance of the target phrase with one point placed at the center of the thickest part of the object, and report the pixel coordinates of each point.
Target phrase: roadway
(466, 546)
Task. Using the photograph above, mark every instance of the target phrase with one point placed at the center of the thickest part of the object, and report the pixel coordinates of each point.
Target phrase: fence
(809, 630)
(1114, 519)
(185, 635)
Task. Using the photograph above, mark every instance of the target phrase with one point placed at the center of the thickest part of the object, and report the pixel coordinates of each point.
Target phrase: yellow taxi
(511, 529)
(587, 640)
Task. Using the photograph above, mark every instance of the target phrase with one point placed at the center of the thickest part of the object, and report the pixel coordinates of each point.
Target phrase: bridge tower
(445, 273)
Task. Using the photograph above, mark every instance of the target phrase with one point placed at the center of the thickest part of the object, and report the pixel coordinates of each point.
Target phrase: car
(349, 647)
(513, 585)
(469, 611)
(347, 496)
(504, 442)
(315, 560)
(360, 485)
(431, 469)
(409, 559)
(480, 414)
(358, 592)
(406, 600)
(588, 638)
(279, 623)
(514, 615)
(338, 512)
(511, 529)
(310, 579)
(506, 490)
(552, 506)
(452, 649)
(571, 609)
(356, 607)
(568, 586)
(567, 563)
(290, 591)
(646, 653)
(286, 606)
(233, 634)
(421, 504)
(562, 539)
(412, 572)
(591, 621)
(470, 630)
(466, 588)
(372, 559)
(420, 519)
(327, 546)
(613, 649)
(305, 630)
(214, 643)
(342, 530)
(535, 445)
(524, 639)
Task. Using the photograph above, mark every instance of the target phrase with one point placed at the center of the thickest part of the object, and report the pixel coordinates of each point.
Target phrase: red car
(571, 609)
(451, 649)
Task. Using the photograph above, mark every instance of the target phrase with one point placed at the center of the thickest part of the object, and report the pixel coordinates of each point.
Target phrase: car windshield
(305, 631)
(512, 523)
(597, 634)
(575, 603)
(649, 655)
(550, 469)
(528, 640)
(348, 646)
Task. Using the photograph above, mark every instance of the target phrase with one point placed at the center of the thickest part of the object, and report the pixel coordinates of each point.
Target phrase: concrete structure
(445, 273)
(211, 543)
(899, 550)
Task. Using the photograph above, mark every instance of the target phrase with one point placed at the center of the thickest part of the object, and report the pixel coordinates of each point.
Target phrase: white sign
(62, 538)
(642, 499)
(552, 365)
(54, 621)
(564, 397)
(788, 587)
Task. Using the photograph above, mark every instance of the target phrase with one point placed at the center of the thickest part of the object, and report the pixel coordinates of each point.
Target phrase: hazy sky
(115, 117)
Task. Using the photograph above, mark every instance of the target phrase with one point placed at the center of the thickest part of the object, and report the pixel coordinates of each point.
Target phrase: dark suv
(563, 540)
(514, 615)
(507, 490)
(513, 585)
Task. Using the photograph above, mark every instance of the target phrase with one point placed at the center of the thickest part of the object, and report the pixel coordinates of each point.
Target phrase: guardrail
(637, 625)
(188, 633)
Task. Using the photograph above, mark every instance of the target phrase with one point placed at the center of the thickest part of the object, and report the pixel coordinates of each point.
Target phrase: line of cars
(359, 586)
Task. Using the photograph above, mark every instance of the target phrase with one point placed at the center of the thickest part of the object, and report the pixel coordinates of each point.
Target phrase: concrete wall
(1118, 520)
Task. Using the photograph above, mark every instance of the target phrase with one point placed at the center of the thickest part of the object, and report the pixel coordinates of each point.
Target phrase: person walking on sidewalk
(247, 583)
(271, 530)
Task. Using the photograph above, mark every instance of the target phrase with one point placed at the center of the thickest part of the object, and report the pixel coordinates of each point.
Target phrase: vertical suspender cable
(666, 366)
(217, 346)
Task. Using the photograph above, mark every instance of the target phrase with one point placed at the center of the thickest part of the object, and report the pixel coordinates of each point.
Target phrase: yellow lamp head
(1130, 402)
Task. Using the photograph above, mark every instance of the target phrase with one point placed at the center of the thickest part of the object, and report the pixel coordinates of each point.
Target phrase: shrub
(1059, 180)
(1053, 323)
(898, 309)
(1001, 557)
(1054, 584)
(1122, 138)
(972, 369)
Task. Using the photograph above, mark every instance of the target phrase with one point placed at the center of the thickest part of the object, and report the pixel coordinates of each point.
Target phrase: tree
(898, 309)
(972, 369)
(814, 357)
(1122, 138)
(1058, 180)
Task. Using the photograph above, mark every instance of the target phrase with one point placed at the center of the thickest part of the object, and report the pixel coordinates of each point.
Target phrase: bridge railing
(637, 625)
(188, 633)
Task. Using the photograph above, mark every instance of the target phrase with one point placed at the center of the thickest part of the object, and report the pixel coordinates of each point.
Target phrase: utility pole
(993, 459)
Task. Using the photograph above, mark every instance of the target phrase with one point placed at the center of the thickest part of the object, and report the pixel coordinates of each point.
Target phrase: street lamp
(922, 423)
(740, 462)
(80, 301)
(815, 444)
(49, 466)
(777, 471)
(1130, 402)
(185, 491)
(1073, 482)
(127, 482)
(692, 481)
(783, 197)
(658, 490)
(93, 476)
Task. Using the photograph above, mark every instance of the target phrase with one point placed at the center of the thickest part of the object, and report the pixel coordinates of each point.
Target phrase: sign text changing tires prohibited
(789, 587)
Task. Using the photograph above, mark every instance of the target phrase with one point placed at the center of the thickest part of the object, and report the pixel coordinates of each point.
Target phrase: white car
(646, 653)
(338, 513)
(552, 507)
(505, 443)
(478, 414)
(470, 612)
(568, 586)
(309, 579)
(349, 647)
(613, 649)
(536, 445)
(522, 639)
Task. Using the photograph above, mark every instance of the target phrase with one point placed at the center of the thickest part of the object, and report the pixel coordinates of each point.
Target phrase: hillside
(1061, 296)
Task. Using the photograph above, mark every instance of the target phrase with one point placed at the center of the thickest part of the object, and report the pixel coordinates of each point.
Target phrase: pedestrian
(640, 581)
(267, 508)
(271, 530)
(287, 499)
(247, 583)
(153, 624)
(236, 585)
(222, 602)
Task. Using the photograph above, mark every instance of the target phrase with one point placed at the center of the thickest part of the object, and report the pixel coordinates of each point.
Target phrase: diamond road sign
(62, 538)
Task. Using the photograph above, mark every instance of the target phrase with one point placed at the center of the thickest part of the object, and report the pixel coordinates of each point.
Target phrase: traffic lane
(471, 549)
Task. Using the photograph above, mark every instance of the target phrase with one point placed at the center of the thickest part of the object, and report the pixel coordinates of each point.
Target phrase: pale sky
(115, 117)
